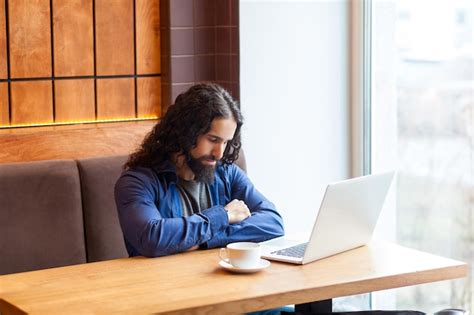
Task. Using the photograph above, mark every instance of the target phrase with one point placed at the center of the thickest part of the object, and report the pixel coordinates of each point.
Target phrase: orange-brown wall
(68, 60)
(117, 59)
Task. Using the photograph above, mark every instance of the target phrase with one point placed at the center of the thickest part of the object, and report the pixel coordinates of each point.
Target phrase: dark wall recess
(200, 42)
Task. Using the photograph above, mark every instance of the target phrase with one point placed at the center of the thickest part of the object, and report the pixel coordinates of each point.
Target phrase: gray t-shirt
(195, 196)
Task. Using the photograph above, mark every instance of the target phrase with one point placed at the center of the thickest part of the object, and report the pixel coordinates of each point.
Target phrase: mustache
(207, 157)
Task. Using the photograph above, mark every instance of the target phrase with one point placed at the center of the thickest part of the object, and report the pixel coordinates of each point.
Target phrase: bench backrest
(41, 224)
(60, 212)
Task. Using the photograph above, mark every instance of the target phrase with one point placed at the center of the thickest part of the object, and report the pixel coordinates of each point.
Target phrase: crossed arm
(248, 217)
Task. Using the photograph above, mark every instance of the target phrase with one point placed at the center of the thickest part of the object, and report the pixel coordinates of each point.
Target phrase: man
(180, 190)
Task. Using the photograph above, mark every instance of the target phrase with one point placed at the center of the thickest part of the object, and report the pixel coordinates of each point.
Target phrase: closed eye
(215, 139)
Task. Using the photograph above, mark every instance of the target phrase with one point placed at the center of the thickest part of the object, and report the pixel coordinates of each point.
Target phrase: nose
(218, 151)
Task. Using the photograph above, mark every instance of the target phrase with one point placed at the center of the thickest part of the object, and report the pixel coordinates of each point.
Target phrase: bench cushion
(104, 236)
(41, 220)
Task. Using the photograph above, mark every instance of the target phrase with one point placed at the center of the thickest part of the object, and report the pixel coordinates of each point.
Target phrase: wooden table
(192, 282)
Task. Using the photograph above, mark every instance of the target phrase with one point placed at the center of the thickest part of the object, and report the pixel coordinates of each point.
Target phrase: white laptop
(346, 220)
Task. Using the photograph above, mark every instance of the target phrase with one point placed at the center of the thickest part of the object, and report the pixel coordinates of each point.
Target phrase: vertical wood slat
(3, 42)
(31, 102)
(30, 38)
(115, 98)
(30, 52)
(73, 38)
(148, 97)
(74, 100)
(148, 36)
(114, 37)
(4, 110)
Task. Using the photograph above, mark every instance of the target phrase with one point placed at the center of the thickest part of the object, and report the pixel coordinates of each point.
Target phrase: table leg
(319, 307)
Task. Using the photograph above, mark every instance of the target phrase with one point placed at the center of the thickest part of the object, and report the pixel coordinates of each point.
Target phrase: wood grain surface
(31, 102)
(115, 98)
(30, 38)
(73, 38)
(71, 142)
(3, 42)
(114, 37)
(149, 97)
(193, 283)
(4, 108)
(73, 25)
(148, 36)
(74, 100)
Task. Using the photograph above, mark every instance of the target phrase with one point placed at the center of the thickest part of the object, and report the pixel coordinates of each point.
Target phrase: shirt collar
(168, 169)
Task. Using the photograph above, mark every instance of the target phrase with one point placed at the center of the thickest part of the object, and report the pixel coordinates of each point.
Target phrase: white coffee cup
(241, 254)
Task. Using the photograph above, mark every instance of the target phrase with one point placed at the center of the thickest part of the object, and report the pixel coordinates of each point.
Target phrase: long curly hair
(189, 117)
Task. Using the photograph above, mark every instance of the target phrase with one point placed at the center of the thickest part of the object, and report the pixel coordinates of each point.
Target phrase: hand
(193, 248)
(237, 211)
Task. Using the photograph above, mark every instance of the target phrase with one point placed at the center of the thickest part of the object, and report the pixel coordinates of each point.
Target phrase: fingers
(237, 211)
(236, 204)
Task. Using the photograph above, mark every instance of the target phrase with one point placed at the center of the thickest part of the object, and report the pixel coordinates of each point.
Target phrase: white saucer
(263, 263)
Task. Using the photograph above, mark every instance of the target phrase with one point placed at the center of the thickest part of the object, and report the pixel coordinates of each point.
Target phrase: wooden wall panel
(148, 97)
(3, 42)
(148, 36)
(74, 100)
(73, 38)
(114, 37)
(71, 142)
(4, 110)
(31, 102)
(115, 98)
(30, 38)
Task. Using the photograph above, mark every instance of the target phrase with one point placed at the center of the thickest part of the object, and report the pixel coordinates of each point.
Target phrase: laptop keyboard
(296, 251)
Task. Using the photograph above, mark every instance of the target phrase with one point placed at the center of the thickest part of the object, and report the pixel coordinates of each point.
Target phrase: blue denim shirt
(150, 212)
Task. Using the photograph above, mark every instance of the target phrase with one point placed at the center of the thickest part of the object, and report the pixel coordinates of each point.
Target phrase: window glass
(423, 121)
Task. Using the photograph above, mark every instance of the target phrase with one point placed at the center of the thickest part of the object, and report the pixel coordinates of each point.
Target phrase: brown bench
(60, 212)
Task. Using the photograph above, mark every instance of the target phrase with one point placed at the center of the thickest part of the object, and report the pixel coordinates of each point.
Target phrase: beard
(203, 173)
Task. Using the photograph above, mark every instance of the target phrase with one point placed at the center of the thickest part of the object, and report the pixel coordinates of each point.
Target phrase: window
(422, 125)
